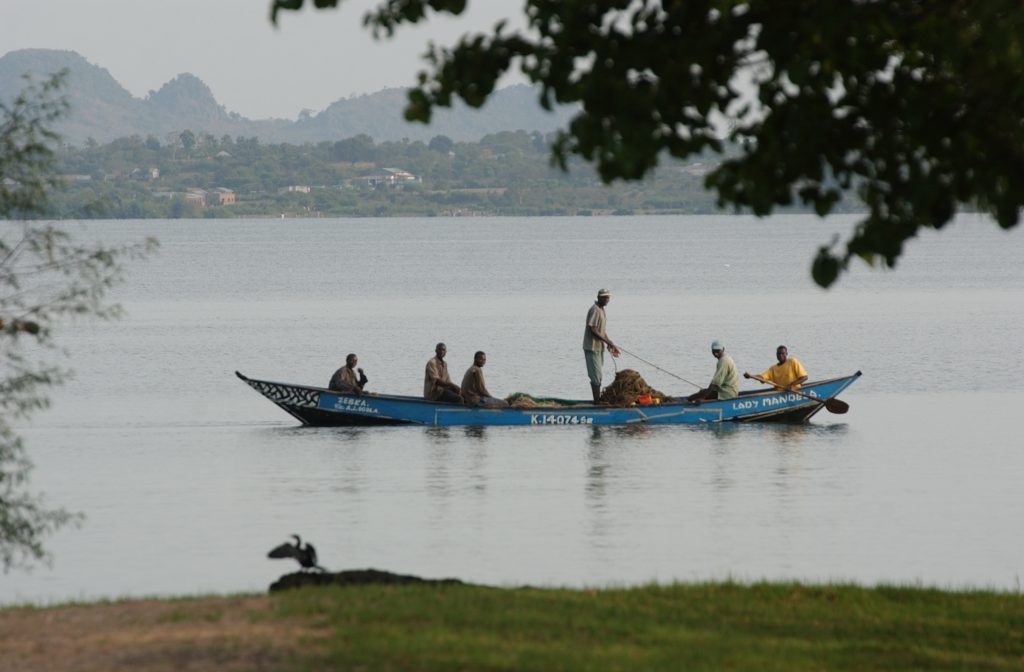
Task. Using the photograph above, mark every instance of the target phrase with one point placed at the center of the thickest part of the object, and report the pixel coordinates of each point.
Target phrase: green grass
(718, 626)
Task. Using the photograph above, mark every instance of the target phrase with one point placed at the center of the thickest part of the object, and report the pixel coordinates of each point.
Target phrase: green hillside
(506, 173)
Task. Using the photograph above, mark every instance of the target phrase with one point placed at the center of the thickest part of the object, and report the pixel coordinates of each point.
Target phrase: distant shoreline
(475, 215)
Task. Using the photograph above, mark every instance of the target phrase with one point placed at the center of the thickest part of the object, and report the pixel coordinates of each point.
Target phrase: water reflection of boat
(321, 407)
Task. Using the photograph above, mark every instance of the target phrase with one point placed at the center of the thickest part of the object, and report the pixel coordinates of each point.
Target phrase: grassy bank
(694, 627)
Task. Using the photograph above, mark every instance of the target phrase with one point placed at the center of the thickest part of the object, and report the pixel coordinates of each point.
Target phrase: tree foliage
(45, 275)
(441, 143)
(914, 106)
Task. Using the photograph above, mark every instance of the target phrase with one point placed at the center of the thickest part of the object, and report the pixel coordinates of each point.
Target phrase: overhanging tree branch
(911, 107)
(44, 276)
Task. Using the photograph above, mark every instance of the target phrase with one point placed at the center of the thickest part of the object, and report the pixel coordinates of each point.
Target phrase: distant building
(140, 174)
(75, 178)
(200, 197)
(399, 175)
(220, 196)
(391, 177)
(295, 188)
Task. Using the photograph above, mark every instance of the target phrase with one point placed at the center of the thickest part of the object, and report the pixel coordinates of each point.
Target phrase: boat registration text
(561, 419)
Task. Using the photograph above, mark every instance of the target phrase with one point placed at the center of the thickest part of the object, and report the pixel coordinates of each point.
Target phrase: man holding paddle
(789, 374)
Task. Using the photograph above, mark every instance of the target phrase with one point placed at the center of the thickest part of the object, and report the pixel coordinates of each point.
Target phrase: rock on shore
(352, 577)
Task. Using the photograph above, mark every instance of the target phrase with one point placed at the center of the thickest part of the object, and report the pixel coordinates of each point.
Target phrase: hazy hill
(379, 115)
(100, 103)
(104, 110)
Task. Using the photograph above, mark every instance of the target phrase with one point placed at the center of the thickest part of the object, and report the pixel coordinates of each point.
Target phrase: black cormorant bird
(305, 554)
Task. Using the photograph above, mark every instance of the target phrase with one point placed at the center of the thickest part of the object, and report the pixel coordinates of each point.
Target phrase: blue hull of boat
(321, 407)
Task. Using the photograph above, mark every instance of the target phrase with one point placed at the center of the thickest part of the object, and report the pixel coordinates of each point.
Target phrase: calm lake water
(187, 477)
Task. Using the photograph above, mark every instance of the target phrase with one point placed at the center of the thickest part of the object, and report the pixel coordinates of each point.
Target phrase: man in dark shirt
(345, 380)
(474, 390)
(437, 384)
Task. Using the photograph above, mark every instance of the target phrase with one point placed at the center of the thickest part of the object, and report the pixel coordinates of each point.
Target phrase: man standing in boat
(594, 340)
(437, 384)
(789, 374)
(474, 391)
(345, 379)
(726, 381)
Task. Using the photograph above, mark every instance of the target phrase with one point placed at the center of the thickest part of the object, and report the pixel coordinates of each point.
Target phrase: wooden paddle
(836, 406)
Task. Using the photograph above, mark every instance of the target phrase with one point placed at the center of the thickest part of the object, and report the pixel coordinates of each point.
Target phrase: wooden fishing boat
(320, 407)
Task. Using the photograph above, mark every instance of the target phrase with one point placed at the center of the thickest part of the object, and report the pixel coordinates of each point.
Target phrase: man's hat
(603, 292)
(716, 346)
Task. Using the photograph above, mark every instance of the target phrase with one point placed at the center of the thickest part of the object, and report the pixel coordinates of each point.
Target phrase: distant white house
(391, 177)
(399, 175)
(140, 174)
(295, 188)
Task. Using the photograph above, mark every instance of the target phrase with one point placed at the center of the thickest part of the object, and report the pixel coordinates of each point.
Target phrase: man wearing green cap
(725, 383)
(594, 340)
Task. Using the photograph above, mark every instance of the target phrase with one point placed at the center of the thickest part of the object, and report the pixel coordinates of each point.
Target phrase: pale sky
(310, 60)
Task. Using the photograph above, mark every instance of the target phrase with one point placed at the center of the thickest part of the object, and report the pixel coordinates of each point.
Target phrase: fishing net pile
(627, 387)
(524, 400)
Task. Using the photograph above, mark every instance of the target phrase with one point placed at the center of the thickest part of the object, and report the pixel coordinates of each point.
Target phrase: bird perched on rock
(305, 554)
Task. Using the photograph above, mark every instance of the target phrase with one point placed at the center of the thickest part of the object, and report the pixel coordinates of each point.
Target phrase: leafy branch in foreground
(912, 105)
(45, 276)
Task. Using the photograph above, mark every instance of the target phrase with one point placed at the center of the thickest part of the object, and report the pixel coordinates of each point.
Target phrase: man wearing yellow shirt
(788, 374)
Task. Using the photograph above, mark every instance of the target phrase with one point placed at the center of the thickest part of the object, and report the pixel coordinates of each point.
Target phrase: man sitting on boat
(345, 380)
(474, 391)
(437, 384)
(788, 374)
(726, 381)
